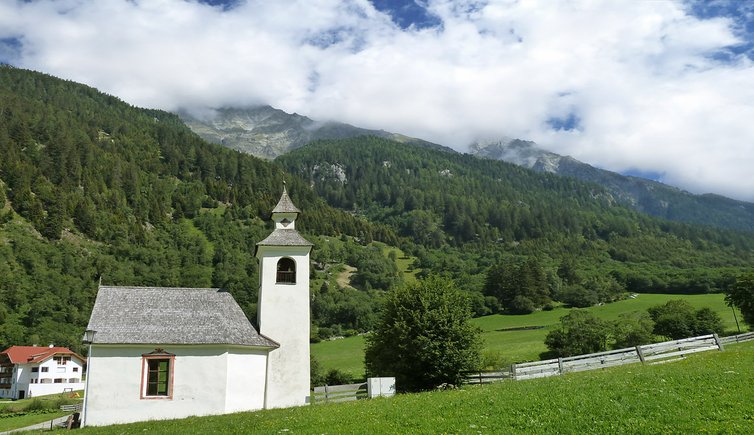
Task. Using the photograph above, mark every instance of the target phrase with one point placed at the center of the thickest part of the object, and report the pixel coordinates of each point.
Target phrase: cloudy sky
(663, 89)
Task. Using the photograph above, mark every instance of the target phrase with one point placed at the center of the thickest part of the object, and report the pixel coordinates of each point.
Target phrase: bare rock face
(519, 152)
(266, 132)
(261, 131)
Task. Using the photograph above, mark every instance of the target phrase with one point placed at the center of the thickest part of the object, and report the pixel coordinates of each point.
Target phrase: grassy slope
(517, 346)
(709, 392)
(52, 401)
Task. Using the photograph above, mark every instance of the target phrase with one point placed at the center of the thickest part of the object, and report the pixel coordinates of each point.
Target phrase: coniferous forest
(92, 188)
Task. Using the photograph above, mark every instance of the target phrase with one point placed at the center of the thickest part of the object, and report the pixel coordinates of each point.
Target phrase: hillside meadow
(708, 392)
(505, 345)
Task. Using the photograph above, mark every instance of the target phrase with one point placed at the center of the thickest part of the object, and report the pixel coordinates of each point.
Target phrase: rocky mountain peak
(267, 132)
(520, 152)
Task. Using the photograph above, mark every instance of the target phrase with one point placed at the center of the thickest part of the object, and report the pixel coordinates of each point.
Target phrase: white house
(31, 371)
(160, 353)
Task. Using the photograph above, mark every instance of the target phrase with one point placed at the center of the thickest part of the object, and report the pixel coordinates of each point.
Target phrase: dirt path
(344, 278)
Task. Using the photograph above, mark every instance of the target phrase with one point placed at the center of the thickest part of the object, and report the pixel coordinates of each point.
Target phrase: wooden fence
(72, 408)
(487, 377)
(339, 393)
(373, 387)
(650, 354)
(738, 338)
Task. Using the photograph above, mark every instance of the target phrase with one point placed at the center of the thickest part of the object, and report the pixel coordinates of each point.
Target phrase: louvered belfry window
(286, 271)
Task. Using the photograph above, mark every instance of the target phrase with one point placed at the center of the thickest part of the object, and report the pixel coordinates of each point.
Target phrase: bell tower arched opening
(286, 271)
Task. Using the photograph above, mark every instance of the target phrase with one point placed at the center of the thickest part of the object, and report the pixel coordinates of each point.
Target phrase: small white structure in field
(160, 353)
(31, 371)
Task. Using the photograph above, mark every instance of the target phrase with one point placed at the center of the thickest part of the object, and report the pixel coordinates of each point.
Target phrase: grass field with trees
(505, 342)
(708, 392)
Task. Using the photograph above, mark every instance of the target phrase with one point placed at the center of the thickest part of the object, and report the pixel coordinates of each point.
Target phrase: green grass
(517, 346)
(708, 392)
(17, 422)
(346, 355)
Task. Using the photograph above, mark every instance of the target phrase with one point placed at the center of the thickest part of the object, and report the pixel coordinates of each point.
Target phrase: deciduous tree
(424, 338)
(741, 295)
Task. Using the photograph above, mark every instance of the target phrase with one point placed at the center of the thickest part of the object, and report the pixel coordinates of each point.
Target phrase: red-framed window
(157, 375)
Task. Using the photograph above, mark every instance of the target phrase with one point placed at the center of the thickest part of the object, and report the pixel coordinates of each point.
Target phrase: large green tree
(424, 337)
(520, 285)
(741, 295)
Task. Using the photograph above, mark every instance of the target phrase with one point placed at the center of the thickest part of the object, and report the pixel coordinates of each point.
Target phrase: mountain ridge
(266, 132)
(647, 196)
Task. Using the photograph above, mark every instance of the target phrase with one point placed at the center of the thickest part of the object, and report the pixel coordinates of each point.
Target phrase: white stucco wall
(246, 373)
(284, 317)
(23, 375)
(200, 383)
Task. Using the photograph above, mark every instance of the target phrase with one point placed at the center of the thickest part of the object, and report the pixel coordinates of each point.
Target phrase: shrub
(708, 322)
(35, 405)
(579, 332)
(633, 329)
(316, 378)
(522, 305)
(579, 296)
(677, 319)
(337, 377)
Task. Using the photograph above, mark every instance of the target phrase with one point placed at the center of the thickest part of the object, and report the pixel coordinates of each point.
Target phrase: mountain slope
(267, 132)
(651, 197)
(466, 214)
(91, 187)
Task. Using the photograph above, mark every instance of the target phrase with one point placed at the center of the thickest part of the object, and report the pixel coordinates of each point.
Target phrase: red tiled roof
(36, 354)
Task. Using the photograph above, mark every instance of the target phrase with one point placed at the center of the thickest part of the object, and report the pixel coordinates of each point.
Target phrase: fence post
(717, 340)
(327, 395)
(641, 354)
(513, 371)
(560, 365)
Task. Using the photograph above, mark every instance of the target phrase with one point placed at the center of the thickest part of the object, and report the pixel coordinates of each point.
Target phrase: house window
(34, 380)
(73, 380)
(62, 360)
(75, 370)
(286, 271)
(45, 369)
(58, 380)
(157, 375)
(35, 369)
(45, 381)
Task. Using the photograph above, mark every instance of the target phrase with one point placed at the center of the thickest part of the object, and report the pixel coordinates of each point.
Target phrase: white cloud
(639, 76)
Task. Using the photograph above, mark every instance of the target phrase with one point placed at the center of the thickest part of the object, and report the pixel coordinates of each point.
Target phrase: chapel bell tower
(283, 308)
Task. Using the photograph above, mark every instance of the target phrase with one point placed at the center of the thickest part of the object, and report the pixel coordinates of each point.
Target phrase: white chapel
(162, 353)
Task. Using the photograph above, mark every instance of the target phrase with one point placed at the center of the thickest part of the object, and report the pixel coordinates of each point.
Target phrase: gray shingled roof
(166, 315)
(283, 237)
(285, 205)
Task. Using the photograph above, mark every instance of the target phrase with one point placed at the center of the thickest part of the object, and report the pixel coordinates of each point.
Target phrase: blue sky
(658, 88)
